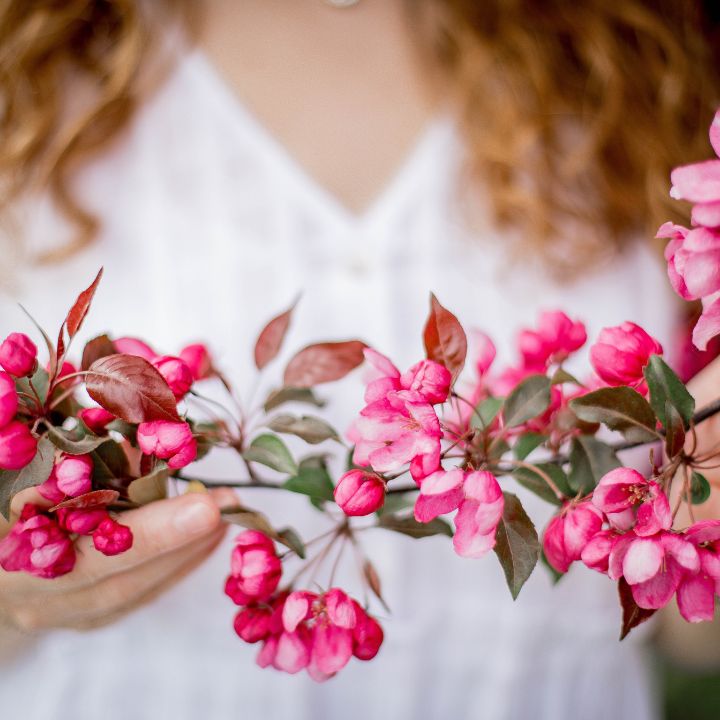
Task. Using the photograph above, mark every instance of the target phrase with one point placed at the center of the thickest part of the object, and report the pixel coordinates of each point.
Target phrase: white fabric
(209, 228)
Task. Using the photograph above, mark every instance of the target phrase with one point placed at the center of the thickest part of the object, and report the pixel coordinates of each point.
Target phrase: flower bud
(569, 532)
(621, 353)
(8, 399)
(96, 418)
(74, 474)
(252, 624)
(133, 346)
(255, 565)
(367, 635)
(171, 441)
(197, 358)
(360, 493)
(18, 355)
(112, 538)
(176, 373)
(17, 446)
(81, 521)
(430, 379)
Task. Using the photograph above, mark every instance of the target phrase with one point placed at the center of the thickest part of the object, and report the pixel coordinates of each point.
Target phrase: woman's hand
(171, 538)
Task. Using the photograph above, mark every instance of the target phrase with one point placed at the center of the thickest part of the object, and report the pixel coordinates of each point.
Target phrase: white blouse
(209, 228)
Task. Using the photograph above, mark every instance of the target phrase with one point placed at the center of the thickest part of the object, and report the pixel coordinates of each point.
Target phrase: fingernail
(195, 518)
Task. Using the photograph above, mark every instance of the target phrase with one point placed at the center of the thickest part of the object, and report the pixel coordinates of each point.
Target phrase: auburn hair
(573, 112)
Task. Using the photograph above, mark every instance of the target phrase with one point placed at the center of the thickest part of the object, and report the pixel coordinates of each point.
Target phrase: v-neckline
(393, 191)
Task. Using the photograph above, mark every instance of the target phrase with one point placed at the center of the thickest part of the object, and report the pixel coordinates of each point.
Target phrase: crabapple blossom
(112, 538)
(401, 428)
(621, 353)
(18, 355)
(97, 419)
(556, 338)
(176, 373)
(17, 446)
(80, 521)
(37, 545)
(360, 493)
(440, 493)
(171, 441)
(696, 592)
(134, 346)
(8, 399)
(73, 474)
(255, 568)
(197, 358)
(479, 515)
(628, 499)
(569, 532)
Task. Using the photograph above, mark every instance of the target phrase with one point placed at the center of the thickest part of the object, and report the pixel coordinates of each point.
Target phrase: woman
(533, 142)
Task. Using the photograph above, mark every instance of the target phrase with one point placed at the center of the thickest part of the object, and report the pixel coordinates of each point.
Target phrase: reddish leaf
(80, 309)
(445, 340)
(271, 338)
(323, 363)
(131, 388)
(633, 615)
(94, 499)
(373, 580)
(97, 348)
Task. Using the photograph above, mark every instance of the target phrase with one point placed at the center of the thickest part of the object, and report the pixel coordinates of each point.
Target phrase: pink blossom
(253, 623)
(80, 521)
(176, 374)
(17, 446)
(197, 358)
(596, 554)
(255, 568)
(696, 592)
(479, 515)
(73, 474)
(8, 399)
(37, 545)
(627, 498)
(367, 635)
(112, 538)
(484, 354)
(134, 346)
(621, 353)
(171, 441)
(569, 532)
(360, 493)
(440, 493)
(96, 418)
(428, 378)
(708, 326)
(18, 355)
(399, 429)
(556, 338)
(653, 566)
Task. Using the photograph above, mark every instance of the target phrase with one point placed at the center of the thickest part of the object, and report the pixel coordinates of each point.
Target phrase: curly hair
(573, 113)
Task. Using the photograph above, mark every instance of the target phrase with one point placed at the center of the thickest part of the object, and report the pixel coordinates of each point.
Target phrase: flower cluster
(300, 630)
(693, 254)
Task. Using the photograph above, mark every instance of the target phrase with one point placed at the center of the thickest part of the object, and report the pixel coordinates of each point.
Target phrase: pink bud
(133, 346)
(621, 353)
(96, 418)
(50, 490)
(367, 635)
(171, 441)
(255, 565)
(252, 624)
(556, 338)
(568, 533)
(8, 399)
(67, 368)
(17, 446)
(360, 493)
(18, 355)
(112, 538)
(81, 521)
(73, 474)
(197, 358)
(430, 379)
(176, 373)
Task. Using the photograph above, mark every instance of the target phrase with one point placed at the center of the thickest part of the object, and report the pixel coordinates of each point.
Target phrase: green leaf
(526, 443)
(150, 487)
(528, 400)
(33, 474)
(535, 482)
(74, 442)
(590, 459)
(516, 544)
(397, 502)
(414, 529)
(620, 408)
(561, 376)
(313, 481)
(310, 429)
(699, 488)
(271, 451)
(666, 386)
(485, 412)
(250, 519)
(110, 464)
(40, 382)
(292, 394)
(674, 431)
(290, 539)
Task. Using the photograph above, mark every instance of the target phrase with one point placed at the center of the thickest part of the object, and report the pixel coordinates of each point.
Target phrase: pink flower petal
(642, 560)
(696, 598)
